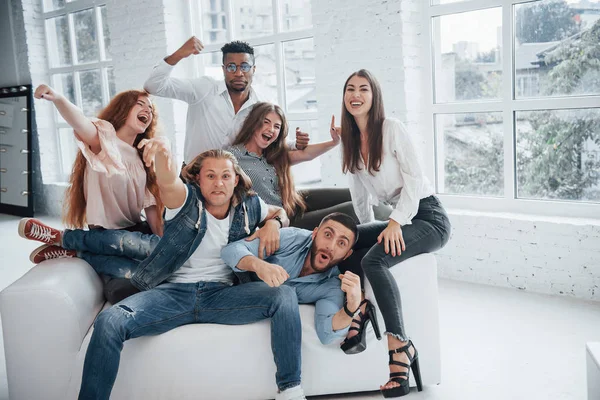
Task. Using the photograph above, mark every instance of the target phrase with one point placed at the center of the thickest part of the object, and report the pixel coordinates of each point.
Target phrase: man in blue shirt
(307, 262)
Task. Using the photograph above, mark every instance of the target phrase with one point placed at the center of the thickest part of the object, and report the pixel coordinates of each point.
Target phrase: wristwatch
(278, 219)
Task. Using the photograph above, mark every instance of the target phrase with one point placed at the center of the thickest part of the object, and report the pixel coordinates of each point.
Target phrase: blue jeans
(112, 252)
(170, 305)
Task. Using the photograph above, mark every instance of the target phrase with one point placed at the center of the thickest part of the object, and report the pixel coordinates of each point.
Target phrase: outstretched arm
(160, 82)
(312, 151)
(157, 151)
(72, 115)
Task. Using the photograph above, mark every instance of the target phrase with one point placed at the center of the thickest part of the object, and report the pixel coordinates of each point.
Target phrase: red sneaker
(34, 229)
(49, 252)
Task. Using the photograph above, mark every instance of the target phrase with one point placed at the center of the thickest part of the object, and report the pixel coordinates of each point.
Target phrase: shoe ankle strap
(403, 349)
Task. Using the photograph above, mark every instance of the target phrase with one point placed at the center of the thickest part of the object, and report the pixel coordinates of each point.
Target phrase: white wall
(545, 255)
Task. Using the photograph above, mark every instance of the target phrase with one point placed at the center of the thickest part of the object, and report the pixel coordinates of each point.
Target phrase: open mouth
(324, 257)
(143, 118)
(267, 136)
(356, 104)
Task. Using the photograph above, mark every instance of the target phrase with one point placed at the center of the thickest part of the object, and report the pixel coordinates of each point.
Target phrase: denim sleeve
(325, 308)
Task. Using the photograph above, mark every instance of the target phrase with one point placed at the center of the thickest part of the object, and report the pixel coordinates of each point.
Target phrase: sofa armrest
(45, 316)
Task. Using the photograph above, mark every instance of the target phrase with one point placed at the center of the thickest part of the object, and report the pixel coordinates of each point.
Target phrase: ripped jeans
(112, 252)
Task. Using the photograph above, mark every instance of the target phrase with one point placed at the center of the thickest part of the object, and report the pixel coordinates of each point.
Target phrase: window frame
(277, 38)
(103, 63)
(508, 105)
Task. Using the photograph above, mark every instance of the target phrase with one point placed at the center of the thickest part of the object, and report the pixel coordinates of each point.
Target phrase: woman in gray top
(262, 154)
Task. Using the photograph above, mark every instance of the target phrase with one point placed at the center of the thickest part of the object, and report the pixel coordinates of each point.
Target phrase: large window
(80, 65)
(281, 33)
(514, 104)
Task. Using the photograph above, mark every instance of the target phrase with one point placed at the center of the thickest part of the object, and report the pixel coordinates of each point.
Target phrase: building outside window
(514, 101)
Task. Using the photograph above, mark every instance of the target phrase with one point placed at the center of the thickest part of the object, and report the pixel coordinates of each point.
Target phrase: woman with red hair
(109, 186)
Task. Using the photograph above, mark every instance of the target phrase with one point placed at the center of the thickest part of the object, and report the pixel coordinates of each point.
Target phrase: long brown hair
(351, 133)
(244, 186)
(115, 113)
(276, 154)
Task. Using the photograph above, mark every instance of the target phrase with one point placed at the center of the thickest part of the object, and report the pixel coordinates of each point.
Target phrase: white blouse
(399, 182)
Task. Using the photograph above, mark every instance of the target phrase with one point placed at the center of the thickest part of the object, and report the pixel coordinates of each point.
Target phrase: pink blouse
(115, 181)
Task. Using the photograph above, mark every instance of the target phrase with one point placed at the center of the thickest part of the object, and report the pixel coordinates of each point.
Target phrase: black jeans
(428, 232)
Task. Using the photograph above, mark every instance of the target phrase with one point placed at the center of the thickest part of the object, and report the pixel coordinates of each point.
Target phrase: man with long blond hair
(215, 207)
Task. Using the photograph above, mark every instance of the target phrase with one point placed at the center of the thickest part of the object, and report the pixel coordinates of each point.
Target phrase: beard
(239, 89)
(313, 258)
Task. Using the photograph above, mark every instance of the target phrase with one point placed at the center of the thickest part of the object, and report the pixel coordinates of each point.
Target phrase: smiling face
(140, 116)
(358, 96)
(238, 81)
(217, 180)
(267, 132)
(332, 243)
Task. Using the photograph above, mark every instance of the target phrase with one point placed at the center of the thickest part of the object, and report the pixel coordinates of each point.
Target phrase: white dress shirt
(400, 181)
(211, 120)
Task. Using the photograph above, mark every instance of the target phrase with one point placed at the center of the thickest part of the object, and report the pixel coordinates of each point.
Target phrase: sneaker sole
(37, 251)
(22, 224)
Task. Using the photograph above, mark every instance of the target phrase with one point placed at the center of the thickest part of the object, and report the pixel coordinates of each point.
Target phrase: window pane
(467, 55)
(253, 18)
(558, 154)
(307, 172)
(68, 149)
(85, 36)
(51, 5)
(265, 78)
(470, 153)
(58, 41)
(64, 84)
(106, 32)
(91, 91)
(556, 48)
(300, 90)
(210, 65)
(112, 89)
(295, 15)
(214, 21)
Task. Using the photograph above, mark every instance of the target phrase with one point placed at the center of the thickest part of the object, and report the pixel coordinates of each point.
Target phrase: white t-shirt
(205, 264)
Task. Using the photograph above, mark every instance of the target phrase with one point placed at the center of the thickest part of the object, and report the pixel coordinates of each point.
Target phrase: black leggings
(428, 232)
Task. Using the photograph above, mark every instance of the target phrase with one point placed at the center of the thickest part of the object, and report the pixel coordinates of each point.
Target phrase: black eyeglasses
(245, 67)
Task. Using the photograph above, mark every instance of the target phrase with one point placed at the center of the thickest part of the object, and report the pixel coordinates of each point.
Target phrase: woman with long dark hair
(261, 151)
(384, 167)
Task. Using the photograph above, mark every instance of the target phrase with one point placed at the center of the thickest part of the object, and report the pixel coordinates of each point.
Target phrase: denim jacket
(183, 234)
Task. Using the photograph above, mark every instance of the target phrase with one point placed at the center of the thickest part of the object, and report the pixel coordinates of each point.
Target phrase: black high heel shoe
(402, 377)
(358, 343)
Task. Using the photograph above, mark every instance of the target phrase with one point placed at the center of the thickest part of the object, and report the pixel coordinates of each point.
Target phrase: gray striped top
(264, 178)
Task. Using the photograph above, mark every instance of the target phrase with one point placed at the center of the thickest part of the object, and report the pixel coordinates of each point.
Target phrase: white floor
(496, 343)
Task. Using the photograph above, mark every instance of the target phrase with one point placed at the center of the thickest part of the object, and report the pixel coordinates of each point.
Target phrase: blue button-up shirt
(322, 289)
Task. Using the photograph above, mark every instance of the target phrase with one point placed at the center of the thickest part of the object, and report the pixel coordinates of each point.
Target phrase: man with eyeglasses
(216, 109)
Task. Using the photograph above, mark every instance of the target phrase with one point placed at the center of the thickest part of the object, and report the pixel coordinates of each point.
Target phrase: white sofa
(47, 318)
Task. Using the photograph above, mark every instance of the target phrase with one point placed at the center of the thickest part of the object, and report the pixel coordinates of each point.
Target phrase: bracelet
(278, 219)
(347, 311)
